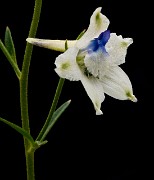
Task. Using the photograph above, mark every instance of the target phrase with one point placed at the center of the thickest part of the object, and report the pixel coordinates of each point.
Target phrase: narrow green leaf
(9, 58)
(19, 129)
(8, 41)
(55, 117)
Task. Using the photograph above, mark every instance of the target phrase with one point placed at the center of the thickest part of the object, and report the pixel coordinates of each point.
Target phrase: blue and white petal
(98, 23)
(94, 89)
(116, 84)
(66, 66)
(117, 48)
(97, 64)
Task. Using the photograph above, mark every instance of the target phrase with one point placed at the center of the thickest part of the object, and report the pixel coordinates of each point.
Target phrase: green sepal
(19, 130)
(54, 118)
(8, 42)
(81, 34)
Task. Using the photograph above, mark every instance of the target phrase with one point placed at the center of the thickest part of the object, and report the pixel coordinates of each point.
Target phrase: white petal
(66, 66)
(96, 63)
(117, 84)
(94, 89)
(57, 45)
(117, 48)
(98, 23)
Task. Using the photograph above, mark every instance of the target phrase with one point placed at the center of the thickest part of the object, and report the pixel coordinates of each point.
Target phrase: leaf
(55, 117)
(19, 129)
(10, 59)
(8, 41)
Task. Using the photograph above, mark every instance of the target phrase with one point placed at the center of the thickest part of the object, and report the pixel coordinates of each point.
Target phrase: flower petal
(94, 89)
(57, 45)
(66, 66)
(99, 42)
(117, 84)
(117, 48)
(98, 23)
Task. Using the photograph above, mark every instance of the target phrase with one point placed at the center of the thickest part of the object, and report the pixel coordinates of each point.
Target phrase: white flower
(94, 60)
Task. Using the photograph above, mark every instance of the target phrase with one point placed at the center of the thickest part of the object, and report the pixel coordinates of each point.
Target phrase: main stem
(24, 91)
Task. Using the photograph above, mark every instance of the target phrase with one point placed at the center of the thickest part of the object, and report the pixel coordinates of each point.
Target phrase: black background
(81, 144)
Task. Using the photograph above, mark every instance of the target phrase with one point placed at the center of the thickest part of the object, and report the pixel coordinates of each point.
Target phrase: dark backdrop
(81, 145)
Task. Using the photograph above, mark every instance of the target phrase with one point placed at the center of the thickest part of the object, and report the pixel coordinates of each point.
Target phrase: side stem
(52, 109)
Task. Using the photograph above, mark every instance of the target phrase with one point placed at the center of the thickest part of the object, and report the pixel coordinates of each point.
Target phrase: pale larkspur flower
(94, 60)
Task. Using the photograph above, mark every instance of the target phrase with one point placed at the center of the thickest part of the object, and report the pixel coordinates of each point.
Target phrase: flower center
(93, 50)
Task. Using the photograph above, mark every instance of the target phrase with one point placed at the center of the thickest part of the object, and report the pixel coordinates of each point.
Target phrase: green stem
(11, 61)
(52, 109)
(24, 90)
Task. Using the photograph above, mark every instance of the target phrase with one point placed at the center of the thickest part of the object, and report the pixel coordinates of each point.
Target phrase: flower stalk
(52, 109)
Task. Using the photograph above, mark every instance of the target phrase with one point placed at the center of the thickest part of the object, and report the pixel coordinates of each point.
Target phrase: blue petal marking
(99, 42)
